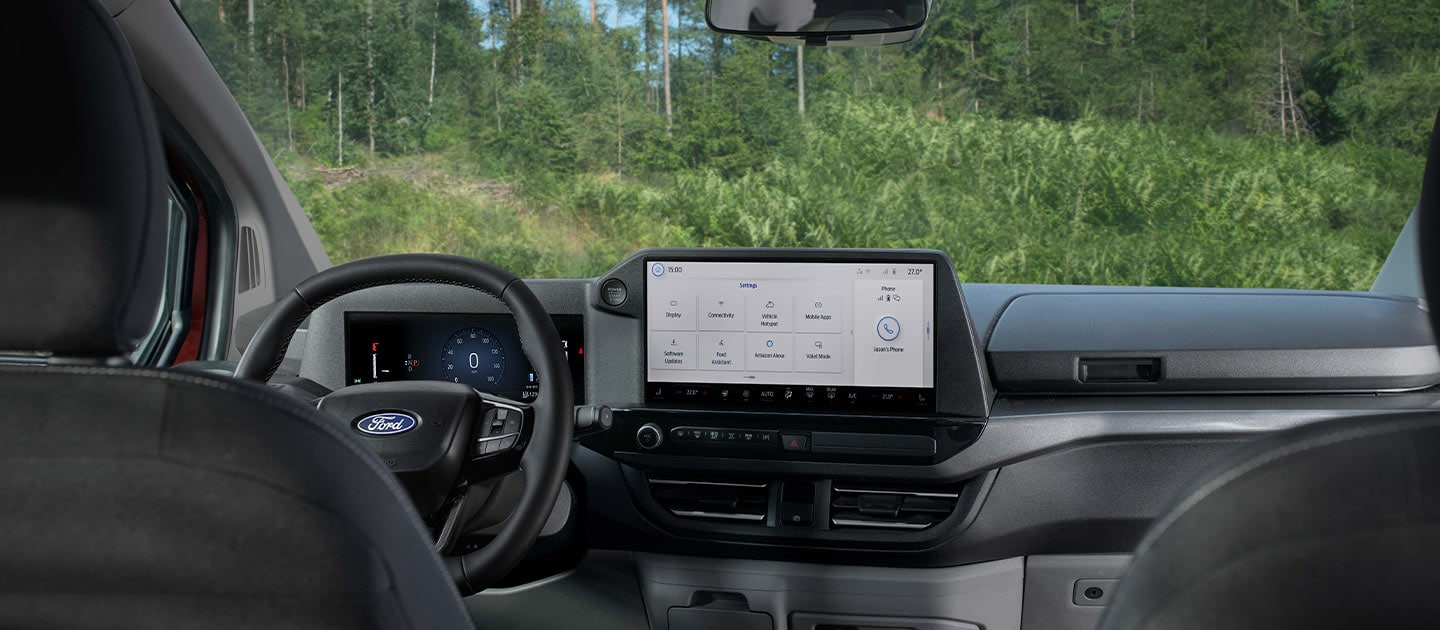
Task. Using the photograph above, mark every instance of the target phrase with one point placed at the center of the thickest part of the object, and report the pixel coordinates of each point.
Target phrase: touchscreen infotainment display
(791, 334)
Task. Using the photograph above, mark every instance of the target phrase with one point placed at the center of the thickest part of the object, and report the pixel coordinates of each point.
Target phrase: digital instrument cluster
(480, 350)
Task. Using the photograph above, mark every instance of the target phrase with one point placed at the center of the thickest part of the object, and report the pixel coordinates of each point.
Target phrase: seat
(1335, 525)
(132, 497)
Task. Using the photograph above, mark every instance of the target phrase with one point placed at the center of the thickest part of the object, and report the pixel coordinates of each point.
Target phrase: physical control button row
(722, 436)
(494, 444)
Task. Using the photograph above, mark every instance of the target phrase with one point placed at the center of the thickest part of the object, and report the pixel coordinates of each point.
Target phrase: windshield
(1131, 142)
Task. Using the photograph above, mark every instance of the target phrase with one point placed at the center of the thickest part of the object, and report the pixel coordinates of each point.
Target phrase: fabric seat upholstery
(142, 498)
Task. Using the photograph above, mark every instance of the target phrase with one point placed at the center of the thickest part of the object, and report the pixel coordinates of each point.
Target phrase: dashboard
(863, 407)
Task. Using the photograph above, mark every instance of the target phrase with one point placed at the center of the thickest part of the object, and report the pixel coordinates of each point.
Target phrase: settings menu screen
(791, 333)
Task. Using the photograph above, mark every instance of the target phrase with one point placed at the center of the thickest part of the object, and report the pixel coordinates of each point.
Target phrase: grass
(1090, 202)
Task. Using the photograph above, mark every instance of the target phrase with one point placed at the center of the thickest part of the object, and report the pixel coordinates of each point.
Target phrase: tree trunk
(495, 72)
(1290, 123)
(370, 73)
(665, 64)
(619, 133)
(285, 76)
(592, 12)
(680, 42)
(250, 24)
(940, 97)
(340, 117)
(304, 101)
(1284, 89)
(1131, 11)
(434, 38)
(800, 75)
(1025, 51)
(649, 53)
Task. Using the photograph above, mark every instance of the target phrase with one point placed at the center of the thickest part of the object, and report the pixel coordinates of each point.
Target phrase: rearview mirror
(820, 22)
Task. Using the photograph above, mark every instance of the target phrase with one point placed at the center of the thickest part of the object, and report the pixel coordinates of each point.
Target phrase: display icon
(888, 328)
(657, 269)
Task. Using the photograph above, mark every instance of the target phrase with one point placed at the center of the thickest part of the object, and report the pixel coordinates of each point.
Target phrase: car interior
(699, 438)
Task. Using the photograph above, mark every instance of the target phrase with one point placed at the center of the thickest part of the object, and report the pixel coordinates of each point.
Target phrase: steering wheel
(442, 439)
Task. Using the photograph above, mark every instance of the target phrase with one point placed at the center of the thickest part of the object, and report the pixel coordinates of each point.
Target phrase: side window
(172, 318)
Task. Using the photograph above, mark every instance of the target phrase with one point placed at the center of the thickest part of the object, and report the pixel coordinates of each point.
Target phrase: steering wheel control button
(888, 328)
(509, 420)
(649, 437)
(507, 442)
(794, 443)
(614, 292)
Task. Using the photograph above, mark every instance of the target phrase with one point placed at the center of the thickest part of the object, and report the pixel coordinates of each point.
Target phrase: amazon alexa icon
(657, 269)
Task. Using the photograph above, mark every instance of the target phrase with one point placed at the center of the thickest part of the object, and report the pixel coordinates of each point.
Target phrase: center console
(799, 355)
(772, 376)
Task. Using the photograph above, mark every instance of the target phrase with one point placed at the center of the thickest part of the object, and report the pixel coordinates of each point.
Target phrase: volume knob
(649, 436)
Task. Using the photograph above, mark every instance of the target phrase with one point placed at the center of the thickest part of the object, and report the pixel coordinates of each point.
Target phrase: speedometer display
(481, 350)
(473, 356)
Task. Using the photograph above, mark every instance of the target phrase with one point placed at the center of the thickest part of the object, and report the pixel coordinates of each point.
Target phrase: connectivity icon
(888, 328)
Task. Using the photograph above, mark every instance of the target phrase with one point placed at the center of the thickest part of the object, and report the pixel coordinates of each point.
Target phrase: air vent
(859, 508)
(248, 268)
(713, 500)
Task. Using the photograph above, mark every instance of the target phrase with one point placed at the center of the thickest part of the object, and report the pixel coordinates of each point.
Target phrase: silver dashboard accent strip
(722, 515)
(683, 482)
(845, 522)
(937, 495)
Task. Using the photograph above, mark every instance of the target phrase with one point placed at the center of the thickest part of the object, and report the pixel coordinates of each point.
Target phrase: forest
(1239, 143)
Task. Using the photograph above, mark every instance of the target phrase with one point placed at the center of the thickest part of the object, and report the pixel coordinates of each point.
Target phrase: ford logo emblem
(389, 423)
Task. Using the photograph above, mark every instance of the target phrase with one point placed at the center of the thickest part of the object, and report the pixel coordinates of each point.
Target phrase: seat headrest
(83, 205)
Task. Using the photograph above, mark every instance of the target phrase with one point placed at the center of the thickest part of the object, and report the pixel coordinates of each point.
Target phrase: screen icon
(888, 328)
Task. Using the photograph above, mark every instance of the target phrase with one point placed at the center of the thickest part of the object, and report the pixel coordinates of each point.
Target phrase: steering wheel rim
(547, 456)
